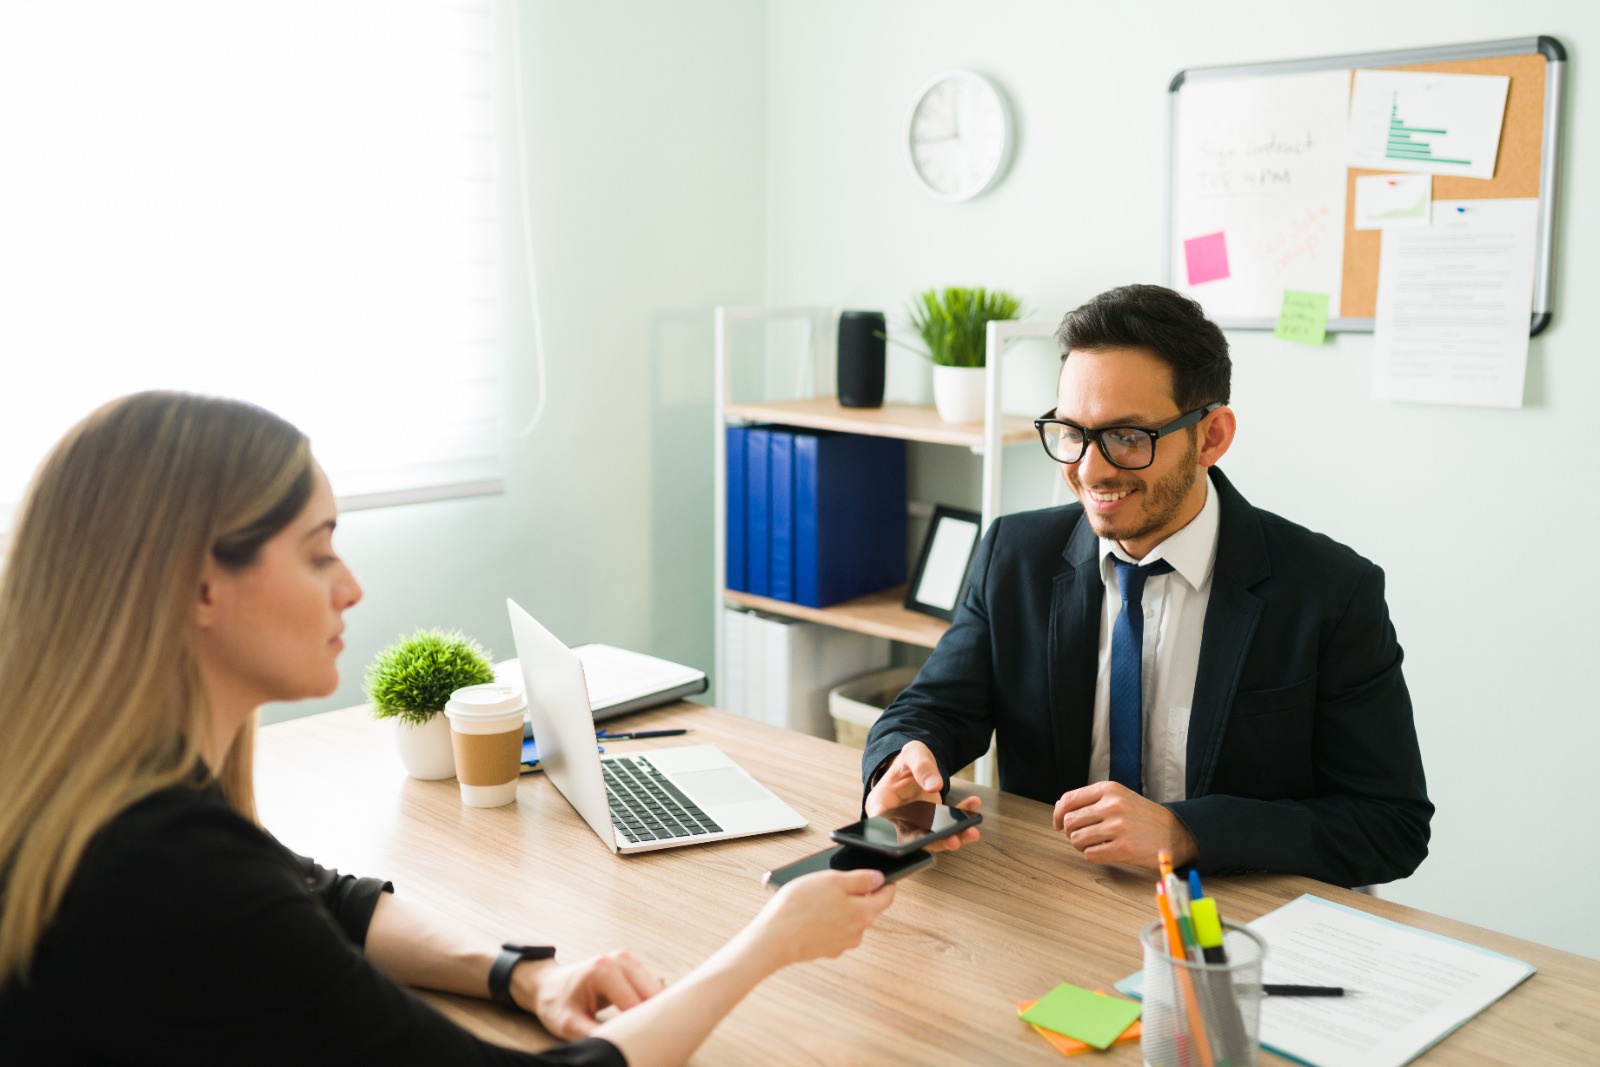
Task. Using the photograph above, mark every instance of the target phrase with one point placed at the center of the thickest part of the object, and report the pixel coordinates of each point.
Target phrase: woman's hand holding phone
(914, 775)
(822, 914)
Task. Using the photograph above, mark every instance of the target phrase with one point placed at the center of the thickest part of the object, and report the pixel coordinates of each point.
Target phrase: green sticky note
(1304, 318)
(1083, 1014)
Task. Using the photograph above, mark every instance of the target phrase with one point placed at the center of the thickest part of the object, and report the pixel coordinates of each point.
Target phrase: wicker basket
(856, 704)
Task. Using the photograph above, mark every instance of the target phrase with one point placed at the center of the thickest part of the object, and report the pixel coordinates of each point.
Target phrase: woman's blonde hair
(103, 702)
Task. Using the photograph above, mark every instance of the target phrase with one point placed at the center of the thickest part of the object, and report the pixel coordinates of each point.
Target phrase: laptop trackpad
(726, 785)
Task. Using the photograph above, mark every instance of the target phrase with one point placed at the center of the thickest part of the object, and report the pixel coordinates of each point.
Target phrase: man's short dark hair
(1169, 325)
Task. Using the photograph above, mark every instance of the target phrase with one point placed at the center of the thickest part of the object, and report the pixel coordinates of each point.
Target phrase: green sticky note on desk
(1081, 1013)
(1303, 318)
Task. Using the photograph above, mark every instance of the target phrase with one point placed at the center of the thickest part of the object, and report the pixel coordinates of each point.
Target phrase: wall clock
(958, 135)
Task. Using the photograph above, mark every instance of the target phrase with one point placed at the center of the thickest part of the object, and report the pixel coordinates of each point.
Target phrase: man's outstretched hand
(914, 775)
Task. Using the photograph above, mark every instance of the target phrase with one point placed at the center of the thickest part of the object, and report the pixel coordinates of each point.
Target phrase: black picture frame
(939, 583)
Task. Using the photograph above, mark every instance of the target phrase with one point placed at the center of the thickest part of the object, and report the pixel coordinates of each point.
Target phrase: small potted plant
(951, 323)
(410, 682)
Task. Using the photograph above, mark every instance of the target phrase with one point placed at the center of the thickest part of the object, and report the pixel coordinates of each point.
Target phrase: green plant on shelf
(412, 679)
(951, 322)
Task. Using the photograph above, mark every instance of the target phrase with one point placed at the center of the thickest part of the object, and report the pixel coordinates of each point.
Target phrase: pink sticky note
(1207, 257)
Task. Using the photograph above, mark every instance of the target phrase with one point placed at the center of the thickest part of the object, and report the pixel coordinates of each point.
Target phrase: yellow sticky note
(1303, 318)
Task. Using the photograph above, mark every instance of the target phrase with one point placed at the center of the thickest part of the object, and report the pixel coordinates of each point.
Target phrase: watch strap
(500, 970)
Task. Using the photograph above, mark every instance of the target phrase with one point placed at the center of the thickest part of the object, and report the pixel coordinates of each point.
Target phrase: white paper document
(1455, 303)
(1422, 121)
(1406, 989)
(1386, 201)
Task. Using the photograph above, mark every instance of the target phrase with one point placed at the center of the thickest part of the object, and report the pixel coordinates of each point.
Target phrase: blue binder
(758, 515)
(849, 516)
(780, 512)
(736, 490)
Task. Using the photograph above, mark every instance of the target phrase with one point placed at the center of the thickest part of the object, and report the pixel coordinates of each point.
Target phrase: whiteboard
(1267, 172)
(1259, 181)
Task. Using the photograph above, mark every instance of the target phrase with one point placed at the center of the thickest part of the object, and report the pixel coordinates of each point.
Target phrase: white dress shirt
(1174, 619)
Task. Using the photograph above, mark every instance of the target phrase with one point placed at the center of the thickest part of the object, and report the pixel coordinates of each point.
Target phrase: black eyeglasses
(1130, 447)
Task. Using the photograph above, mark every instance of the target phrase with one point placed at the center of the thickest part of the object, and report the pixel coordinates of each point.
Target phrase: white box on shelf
(802, 661)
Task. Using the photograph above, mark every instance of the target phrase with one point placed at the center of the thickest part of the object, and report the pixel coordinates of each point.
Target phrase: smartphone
(906, 828)
(844, 858)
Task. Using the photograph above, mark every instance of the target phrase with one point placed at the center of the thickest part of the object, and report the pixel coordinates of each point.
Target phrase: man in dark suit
(1174, 669)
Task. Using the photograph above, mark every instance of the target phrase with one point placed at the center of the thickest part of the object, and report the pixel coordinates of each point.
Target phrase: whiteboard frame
(1550, 142)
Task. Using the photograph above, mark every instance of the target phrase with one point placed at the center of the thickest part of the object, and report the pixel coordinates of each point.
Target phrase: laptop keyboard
(645, 806)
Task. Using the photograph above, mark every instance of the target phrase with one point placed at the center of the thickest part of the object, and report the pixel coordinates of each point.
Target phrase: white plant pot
(425, 750)
(958, 393)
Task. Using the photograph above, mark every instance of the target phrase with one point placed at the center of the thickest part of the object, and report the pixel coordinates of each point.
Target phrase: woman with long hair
(171, 570)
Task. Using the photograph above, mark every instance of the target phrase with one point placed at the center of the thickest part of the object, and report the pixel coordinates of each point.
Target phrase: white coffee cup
(486, 734)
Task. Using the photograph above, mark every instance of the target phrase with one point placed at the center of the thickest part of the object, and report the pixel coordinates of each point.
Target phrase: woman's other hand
(566, 997)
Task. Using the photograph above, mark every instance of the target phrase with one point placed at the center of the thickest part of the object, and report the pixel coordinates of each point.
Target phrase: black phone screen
(906, 828)
(844, 858)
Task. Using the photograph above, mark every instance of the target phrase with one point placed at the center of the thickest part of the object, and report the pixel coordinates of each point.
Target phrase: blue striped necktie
(1127, 686)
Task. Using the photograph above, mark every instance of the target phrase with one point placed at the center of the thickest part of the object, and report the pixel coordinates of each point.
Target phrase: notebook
(642, 799)
(620, 681)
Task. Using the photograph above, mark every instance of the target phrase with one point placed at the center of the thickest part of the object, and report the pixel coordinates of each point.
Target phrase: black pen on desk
(639, 735)
(1302, 990)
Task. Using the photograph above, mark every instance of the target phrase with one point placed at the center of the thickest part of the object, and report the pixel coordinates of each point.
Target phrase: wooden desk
(937, 979)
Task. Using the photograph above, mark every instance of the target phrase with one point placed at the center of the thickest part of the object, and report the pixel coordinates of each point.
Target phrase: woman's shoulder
(182, 819)
(171, 850)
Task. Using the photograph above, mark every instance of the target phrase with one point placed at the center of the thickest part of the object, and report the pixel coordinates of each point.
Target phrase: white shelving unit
(880, 614)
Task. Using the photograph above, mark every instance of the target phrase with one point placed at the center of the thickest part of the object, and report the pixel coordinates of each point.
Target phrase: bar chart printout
(1432, 123)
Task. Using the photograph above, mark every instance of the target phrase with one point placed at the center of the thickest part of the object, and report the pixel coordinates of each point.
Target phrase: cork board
(1524, 168)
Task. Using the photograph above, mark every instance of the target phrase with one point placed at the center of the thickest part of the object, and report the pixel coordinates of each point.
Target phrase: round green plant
(952, 321)
(413, 678)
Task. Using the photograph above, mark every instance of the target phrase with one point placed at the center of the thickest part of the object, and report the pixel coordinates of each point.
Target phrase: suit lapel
(1074, 645)
(1231, 617)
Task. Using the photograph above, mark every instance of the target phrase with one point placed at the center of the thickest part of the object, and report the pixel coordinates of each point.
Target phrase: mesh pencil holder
(1202, 1014)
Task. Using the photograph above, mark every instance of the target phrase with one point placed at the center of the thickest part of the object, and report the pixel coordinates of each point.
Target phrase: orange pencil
(1197, 1025)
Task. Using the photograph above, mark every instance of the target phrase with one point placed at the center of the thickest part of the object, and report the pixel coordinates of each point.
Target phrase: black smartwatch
(500, 970)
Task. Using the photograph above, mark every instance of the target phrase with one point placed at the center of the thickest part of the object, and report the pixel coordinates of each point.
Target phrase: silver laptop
(637, 801)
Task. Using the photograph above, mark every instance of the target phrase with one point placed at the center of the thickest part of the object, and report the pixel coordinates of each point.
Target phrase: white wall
(1466, 509)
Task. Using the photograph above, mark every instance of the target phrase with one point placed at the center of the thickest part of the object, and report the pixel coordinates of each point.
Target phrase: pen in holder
(1202, 1014)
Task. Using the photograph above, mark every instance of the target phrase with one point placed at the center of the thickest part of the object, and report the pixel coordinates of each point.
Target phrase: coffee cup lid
(485, 701)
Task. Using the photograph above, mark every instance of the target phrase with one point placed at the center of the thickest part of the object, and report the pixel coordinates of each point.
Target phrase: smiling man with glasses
(1170, 667)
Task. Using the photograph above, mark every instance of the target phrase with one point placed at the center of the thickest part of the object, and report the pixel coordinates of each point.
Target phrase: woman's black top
(189, 935)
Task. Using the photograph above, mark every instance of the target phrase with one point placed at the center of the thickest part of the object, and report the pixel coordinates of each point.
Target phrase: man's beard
(1164, 499)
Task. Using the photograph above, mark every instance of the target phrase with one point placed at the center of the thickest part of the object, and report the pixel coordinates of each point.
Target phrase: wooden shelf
(908, 422)
(878, 614)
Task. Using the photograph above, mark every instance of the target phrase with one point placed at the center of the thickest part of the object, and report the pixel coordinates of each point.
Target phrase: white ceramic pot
(958, 393)
(425, 750)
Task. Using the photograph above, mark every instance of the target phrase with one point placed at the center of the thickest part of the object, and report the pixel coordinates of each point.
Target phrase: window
(293, 203)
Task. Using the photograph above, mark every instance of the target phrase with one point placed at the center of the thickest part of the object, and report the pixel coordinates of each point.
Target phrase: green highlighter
(1083, 1014)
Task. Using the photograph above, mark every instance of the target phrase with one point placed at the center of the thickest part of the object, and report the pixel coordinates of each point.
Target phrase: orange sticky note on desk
(1071, 1046)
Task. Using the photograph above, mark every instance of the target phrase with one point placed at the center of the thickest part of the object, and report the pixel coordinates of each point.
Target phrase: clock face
(958, 135)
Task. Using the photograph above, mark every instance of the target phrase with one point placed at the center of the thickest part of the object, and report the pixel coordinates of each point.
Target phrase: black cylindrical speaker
(861, 358)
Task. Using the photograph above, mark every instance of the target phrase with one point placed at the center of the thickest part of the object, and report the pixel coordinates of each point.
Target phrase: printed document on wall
(1426, 121)
(1455, 301)
(1260, 204)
